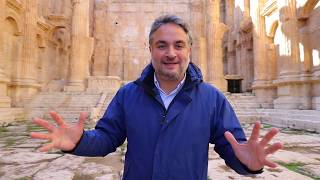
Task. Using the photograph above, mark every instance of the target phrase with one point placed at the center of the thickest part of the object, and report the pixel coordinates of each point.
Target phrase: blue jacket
(166, 144)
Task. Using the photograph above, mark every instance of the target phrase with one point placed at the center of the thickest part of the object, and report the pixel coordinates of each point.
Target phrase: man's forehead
(170, 33)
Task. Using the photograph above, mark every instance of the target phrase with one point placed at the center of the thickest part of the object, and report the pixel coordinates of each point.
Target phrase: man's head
(170, 46)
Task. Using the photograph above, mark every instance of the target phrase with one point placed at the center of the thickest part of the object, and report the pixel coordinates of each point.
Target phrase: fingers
(46, 147)
(57, 118)
(272, 149)
(43, 123)
(255, 132)
(268, 137)
(270, 164)
(230, 138)
(82, 118)
(40, 136)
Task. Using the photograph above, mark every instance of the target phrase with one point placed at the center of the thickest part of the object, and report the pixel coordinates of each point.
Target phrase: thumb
(82, 118)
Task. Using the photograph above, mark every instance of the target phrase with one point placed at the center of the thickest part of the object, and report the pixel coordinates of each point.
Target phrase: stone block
(103, 84)
(5, 102)
(316, 103)
(286, 102)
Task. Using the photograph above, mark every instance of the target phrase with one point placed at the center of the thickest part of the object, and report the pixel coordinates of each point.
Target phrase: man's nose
(171, 53)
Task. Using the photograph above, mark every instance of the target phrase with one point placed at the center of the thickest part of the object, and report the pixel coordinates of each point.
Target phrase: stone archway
(55, 65)
(11, 51)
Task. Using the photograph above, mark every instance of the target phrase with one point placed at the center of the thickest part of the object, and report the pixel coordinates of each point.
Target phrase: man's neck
(168, 85)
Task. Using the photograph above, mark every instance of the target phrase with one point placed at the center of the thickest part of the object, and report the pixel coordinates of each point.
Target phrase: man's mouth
(168, 63)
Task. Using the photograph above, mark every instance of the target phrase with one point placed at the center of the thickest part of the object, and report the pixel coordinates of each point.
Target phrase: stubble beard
(173, 76)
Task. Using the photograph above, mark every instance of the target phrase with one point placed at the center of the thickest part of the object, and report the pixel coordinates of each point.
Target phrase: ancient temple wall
(127, 27)
(271, 45)
(238, 44)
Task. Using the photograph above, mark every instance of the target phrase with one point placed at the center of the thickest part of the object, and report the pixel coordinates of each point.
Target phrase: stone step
(70, 105)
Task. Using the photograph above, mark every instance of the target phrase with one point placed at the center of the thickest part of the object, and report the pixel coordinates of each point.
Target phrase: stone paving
(20, 160)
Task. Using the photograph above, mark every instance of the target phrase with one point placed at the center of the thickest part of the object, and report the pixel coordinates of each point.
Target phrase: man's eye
(179, 46)
(161, 46)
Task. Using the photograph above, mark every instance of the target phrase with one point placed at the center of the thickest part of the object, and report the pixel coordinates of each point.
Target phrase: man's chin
(172, 76)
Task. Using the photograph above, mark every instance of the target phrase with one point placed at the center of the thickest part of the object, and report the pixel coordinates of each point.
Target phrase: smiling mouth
(169, 63)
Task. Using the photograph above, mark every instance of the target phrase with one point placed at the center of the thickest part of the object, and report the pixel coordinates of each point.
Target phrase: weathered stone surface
(22, 170)
(9, 157)
(108, 177)
(270, 47)
(19, 162)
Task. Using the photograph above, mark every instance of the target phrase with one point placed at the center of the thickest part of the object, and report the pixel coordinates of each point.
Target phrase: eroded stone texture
(300, 148)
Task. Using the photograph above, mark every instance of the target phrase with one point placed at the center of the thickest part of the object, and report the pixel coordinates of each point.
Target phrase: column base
(294, 92)
(316, 103)
(21, 95)
(265, 97)
(265, 92)
(5, 102)
(287, 102)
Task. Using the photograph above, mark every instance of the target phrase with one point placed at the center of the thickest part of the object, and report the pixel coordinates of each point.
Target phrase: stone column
(262, 88)
(25, 83)
(81, 46)
(5, 101)
(100, 65)
(215, 32)
(203, 57)
(197, 26)
(293, 88)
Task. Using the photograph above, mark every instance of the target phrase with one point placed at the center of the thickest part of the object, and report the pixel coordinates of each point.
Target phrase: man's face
(170, 52)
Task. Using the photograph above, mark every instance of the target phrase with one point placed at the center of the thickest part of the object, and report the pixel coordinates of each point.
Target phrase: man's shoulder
(127, 87)
(209, 87)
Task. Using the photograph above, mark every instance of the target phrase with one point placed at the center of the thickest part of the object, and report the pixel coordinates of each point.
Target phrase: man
(169, 117)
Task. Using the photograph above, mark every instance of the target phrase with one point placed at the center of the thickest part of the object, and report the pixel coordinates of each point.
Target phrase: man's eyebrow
(180, 41)
(161, 42)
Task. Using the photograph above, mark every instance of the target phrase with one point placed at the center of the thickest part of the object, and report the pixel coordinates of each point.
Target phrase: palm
(254, 153)
(64, 137)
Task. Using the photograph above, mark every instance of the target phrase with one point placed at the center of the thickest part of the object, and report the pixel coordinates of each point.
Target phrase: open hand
(64, 136)
(254, 153)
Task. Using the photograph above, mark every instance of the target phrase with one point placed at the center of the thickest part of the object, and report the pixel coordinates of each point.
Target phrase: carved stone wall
(271, 46)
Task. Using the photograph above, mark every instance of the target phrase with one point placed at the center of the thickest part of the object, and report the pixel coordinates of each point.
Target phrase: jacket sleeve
(224, 119)
(109, 133)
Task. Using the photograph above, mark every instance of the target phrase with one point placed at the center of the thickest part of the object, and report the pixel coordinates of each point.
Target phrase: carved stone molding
(15, 5)
(269, 7)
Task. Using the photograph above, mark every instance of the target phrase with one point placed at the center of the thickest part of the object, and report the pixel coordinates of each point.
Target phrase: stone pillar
(261, 87)
(81, 46)
(293, 88)
(100, 64)
(203, 57)
(199, 40)
(5, 101)
(215, 32)
(25, 84)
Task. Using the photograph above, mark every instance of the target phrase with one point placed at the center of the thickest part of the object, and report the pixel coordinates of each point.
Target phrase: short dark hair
(170, 19)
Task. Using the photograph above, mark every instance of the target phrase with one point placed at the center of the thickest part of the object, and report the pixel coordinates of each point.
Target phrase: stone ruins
(266, 49)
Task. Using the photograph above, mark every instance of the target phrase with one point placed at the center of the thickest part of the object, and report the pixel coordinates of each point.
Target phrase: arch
(12, 50)
(272, 30)
(304, 12)
(15, 24)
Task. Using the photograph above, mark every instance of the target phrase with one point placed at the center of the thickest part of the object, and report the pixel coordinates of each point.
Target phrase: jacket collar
(193, 77)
